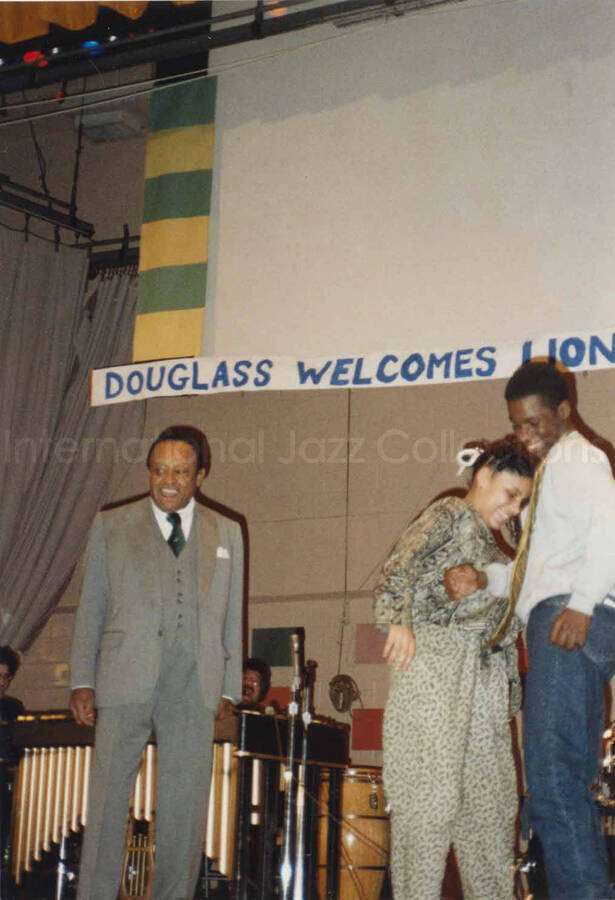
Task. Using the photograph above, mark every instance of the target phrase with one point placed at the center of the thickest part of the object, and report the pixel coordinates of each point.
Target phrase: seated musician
(10, 707)
(256, 683)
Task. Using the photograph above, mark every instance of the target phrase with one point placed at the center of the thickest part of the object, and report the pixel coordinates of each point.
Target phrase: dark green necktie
(176, 539)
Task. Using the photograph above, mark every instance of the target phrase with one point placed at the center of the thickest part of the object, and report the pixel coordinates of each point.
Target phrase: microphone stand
(310, 677)
(287, 867)
(4, 824)
(301, 870)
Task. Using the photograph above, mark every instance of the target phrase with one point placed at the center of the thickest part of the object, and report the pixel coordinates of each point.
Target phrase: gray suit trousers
(184, 733)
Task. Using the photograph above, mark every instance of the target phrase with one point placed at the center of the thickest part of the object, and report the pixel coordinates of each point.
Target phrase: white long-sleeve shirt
(186, 515)
(572, 548)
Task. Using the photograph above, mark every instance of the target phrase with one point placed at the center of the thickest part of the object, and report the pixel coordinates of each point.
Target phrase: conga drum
(364, 835)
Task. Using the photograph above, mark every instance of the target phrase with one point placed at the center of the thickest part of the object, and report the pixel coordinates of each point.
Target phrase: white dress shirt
(572, 547)
(186, 514)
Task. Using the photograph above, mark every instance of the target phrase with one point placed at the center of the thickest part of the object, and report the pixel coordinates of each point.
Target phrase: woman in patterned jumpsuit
(448, 767)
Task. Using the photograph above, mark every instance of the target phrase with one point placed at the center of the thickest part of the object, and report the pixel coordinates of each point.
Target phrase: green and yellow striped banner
(175, 230)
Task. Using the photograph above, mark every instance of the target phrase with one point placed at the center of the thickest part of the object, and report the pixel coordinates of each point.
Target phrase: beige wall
(303, 549)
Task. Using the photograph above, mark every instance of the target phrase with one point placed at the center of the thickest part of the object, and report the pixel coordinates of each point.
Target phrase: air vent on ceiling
(110, 125)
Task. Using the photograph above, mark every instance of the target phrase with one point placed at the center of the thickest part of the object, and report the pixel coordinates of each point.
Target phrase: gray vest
(178, 580)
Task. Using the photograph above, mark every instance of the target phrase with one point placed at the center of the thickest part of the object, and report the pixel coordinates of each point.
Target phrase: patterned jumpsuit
(448, 769)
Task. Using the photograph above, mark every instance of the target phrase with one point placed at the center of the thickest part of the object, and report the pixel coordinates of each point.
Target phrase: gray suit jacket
(117, 639)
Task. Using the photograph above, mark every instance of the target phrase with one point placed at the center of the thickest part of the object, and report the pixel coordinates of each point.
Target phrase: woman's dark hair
(188, 435)
(504, 456)
(10, 659)
(541, 379)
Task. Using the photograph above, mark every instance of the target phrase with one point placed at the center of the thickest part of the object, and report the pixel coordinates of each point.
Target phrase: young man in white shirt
(566, 600)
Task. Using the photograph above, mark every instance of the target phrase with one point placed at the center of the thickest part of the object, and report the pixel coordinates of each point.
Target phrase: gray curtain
(57, 456)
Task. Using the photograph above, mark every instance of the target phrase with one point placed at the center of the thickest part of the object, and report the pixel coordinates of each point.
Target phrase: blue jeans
(563, 722)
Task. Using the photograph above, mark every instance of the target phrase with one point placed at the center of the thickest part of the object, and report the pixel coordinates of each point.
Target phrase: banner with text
(212, 375)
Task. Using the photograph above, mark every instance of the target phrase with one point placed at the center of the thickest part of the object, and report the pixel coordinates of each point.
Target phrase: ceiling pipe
(187, 39)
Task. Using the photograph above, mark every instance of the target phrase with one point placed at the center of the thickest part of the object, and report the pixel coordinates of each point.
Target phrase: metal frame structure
(257, 21)
(41, 206)
(169, 46)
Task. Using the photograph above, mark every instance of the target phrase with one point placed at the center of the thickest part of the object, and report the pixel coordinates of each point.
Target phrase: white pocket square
(222, 553)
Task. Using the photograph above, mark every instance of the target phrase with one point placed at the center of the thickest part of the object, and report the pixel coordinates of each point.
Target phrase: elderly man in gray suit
(157, 644)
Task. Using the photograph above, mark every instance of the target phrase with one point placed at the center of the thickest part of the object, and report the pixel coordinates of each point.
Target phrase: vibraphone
(50, 795)
(50, 799)
(243, 830)
(258, 784)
